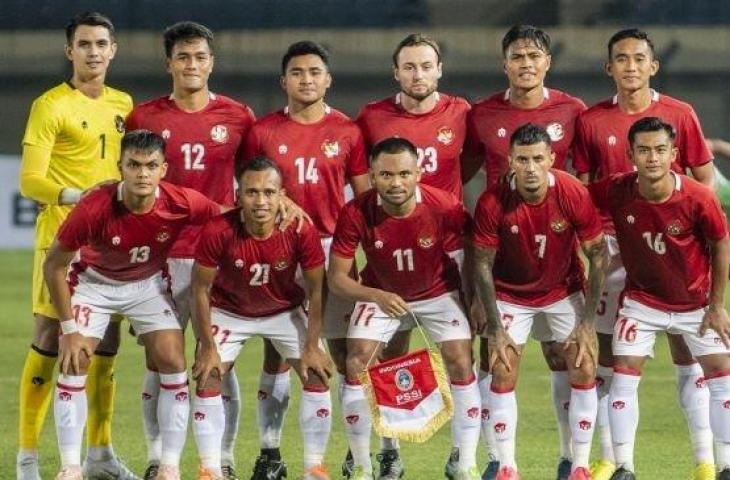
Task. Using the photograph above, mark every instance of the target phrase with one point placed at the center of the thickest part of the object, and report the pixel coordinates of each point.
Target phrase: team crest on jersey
(238, 263)
(330, 148)
(674, 227)
(445, 135)
(283, 149)
(425, 242)
(404, 380)
(502, 132)
(612, 140)
(558, 225)
(119, 123)
(556, 131)
(116, 240)
(219, 134)
(163, 236)
(514, 229)
(630, 219)
(165, 134)
(378, 244)
(281, 264)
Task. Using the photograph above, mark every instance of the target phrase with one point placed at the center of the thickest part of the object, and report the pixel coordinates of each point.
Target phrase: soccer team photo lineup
(189, 219)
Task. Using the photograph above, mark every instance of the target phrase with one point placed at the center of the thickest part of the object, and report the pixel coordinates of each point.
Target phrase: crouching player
(124, 232)
(526, 238)
(403, 228)
(244, 286)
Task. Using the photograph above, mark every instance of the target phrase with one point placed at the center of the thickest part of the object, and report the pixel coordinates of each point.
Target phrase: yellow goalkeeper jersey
(71, 140)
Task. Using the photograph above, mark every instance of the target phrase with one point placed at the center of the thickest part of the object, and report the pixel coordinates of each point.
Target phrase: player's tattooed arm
(716, 317)
(207, 360)
(313, 358)
(72, 345)
(499, 339)
(596, 251)
(343, 285)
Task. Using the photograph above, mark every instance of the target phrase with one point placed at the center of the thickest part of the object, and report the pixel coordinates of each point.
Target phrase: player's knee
(315, 384)
(109, 345)
(47, 331)
(273, 363)
(356, 362)
(551, 351)
(502, 377)
(211, 388)
(338, 352)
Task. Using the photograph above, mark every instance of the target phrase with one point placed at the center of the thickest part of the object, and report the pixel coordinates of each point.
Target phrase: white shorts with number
(442, 317)
(552, 322)
(146, 303)
(637, 324)
(615, 281)
(287, 332)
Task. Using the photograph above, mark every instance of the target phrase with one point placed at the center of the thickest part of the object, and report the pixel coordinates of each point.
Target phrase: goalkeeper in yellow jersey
(71, 143)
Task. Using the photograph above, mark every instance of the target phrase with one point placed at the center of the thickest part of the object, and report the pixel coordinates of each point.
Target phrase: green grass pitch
(662, 451)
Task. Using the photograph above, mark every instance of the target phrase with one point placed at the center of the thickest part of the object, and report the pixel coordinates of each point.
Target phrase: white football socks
(485, 381)
(623, 415)
(561, 395)
(604, 376)
(273, 403)
(173, 409)
(357, 424)
(208, 425)
(719, 387)
(694, 398)
(582, 417)
(70, 413)
(466, 423)
(315, 422)
(502, 406)
(231, 396)
(150, 394)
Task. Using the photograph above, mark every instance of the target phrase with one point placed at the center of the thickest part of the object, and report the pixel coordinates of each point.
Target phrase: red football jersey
(406, 256)
(602, 143)
(492, 122)
(664, 246)
(537, 261)
(256, 277)
(438, 135)
(201, 152)
(316, 160)
(125, 246)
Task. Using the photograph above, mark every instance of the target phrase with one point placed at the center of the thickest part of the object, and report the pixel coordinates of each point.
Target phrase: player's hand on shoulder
(391, 304)
(316, 360)
(71, 346)
(207, 363)
(290, 212)
(716, 318)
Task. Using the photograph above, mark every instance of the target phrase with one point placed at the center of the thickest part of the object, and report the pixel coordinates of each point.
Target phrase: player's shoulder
(177, 194)
(114, 95)
(564, 99)
(152, 106)
(338, 118)
(598, 110)
(271, 119)
(436, 197)
(566, 179)
(100, 199)
(693, 189)
(675, 104)
(229, 220)
(495, 101)
(455, 102)
(228, 103)
(55, 98)
(376, 107)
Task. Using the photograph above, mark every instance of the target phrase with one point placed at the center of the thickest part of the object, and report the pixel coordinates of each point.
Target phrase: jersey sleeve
(311, 254)
(347, 233)
(40, 137)
(201, 208)
(586, 220)
(581, 152)
(133, 121)
(599, 192)
(252, 145)
(473, 147)
(487, 217)
(695, 152)
(458, 222)
(711, 218)
(210, 245)
(246, 123)
(76, 230)
(357, 161)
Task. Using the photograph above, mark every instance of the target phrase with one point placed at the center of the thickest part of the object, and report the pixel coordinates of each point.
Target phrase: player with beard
(436, 123)
(491, 123)
(319, 150)
(601, 150)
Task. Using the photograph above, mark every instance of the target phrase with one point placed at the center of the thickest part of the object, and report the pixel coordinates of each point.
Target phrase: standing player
(436, 124)
(527, 232)
(204, 135)
(491, 123)
(318, 150)
(601, 150)
(244, 286)
(403, 229)
(71, 143)
(124, 232)
(673, 239)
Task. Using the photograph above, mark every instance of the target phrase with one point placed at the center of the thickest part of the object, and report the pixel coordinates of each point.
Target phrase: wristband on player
(69, 326)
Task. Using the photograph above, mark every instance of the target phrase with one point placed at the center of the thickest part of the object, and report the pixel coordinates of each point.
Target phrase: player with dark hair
(528, 229)
(436, 124)
(672, 234)
(319, 150)
(123, 232)
(600, 151)
(527, 58)
(403, 228)
(205, 133)
(252, 266)
(71, 143)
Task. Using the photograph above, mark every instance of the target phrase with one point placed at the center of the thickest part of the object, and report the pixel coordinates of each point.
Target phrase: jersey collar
(513, 182)
(398, 99)
(327, 110)
(120, 197)
(508, 94)
(419, 197)
(211, 96)
(654, 97)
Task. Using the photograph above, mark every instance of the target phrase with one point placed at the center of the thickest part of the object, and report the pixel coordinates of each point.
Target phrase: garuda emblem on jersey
(219, 134)
(425, 241)
(330, 148)
(556, 131)
(119, 123)
(558, 225)
(163, 236)
(281, 264)
(445, 135)
(674, 227)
